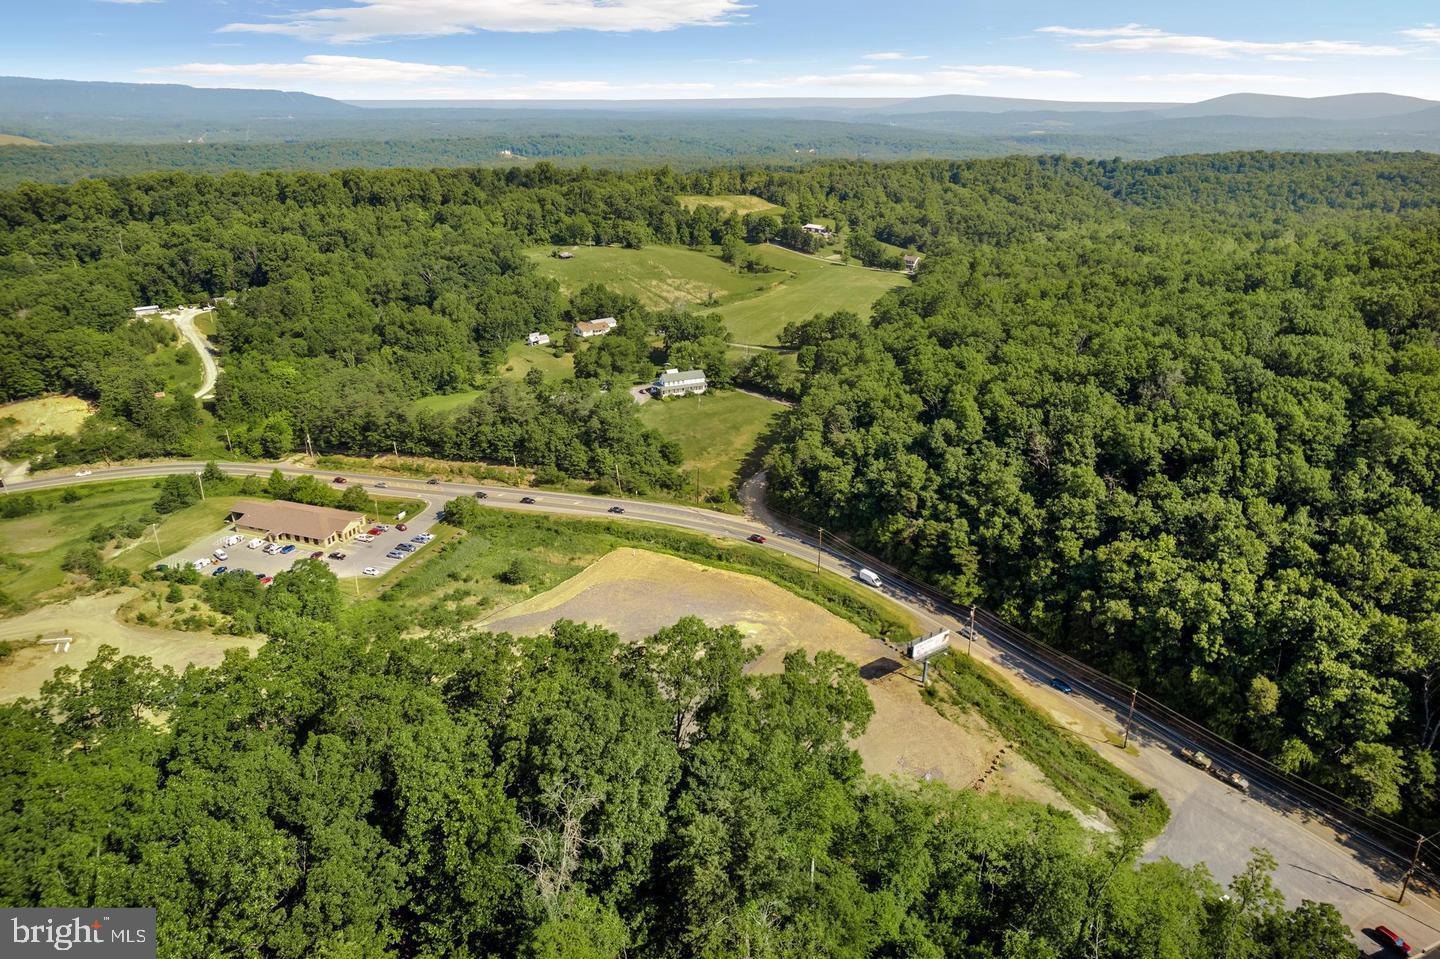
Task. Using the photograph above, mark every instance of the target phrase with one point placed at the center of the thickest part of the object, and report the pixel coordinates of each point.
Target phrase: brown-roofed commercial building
(317, 525)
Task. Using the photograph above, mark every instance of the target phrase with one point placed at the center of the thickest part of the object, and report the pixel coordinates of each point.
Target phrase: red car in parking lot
(375, 531)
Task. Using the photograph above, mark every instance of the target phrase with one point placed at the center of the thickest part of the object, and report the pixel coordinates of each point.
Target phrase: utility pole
(1410, 873)
(970, 633)
(200, 477)
(818, 547)
(228, 445)
(396, 447)
(155, 529)
(1134, 694)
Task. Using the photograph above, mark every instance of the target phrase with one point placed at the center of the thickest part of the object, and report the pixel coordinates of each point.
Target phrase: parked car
(201, 563)
(382, 527)
(219, 570)
(406, 547)
(402, 527)
(259, 575)
(337, 555)
(1392, 940)
(85, 473)
(365, 538)
(481, 494)
(432, 481)
(318, 554)
(341, 479)
(1060, 684)
(287, 550)
(375, 531)
(371, 571)
(421, 539)
(616, 509)
(221, 555)
(1196, 758)
(161, 567)
(395, 554)
(756, 538)
(528, 500)
(266, 580)
(255, 544)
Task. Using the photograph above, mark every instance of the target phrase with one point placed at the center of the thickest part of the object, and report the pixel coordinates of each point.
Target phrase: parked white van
(232, 541)
(273, 548)
(200, 563)
(255, 544)
(221, 555)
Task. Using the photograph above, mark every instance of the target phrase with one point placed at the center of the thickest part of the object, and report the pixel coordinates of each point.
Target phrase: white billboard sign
(930, 645)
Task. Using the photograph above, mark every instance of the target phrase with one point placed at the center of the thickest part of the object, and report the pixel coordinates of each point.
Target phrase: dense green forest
(1196, 445)
(1179, 416)
(355, 790)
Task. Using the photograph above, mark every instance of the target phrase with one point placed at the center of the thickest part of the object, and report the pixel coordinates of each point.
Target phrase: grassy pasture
(42, 415)
(658, 276)
(716, 431)
(812, 286)
(738, 203)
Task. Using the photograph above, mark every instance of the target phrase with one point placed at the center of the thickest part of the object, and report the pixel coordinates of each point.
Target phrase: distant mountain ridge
(31, 96)
(73, 112)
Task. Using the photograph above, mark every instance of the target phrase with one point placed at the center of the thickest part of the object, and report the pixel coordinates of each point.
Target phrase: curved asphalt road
(1211, 822)
(184, 320)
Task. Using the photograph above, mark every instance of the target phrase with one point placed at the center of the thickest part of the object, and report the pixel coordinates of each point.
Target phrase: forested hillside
(356, 790)
(1179, 416)
(1196, 444)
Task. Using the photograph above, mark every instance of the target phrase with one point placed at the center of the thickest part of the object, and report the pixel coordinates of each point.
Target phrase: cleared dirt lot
(635, 592)
(92, 621)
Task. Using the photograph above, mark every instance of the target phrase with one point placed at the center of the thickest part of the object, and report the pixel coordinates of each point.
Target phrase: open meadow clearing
(635, 592)
(42, 415)
(658, 276)
(812, 287)
(740, 203)
(717, 431)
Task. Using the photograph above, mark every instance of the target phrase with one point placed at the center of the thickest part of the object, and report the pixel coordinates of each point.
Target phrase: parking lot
(358, 556)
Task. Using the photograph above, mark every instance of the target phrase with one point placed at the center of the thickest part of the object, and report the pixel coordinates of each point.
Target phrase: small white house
(675, 382)
(816, 228)
(145, 310)
(538, 339)
(586, 329)
(912, 263)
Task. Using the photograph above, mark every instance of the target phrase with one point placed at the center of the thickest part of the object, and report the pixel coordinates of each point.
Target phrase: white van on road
(868, 577)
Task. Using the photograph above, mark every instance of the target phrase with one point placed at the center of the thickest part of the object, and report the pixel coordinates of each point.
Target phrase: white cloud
(377, 19)
(1009, 72)
(892, 55)
(1241, 78)
(1134, 38)
(322, 69)
(1428, 33)
(1128, 30)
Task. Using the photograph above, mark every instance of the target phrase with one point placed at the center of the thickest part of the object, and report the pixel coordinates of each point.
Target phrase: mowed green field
(812, 287)
(731, 203)
(32, 547)
(658, 276)
(178, 367)
(716, 431)
(521, 359)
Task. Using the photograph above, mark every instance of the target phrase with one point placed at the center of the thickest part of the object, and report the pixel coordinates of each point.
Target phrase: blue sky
(626, 49)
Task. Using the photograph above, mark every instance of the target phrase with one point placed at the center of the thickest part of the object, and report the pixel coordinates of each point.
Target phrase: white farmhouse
(586, 329)
(538, 339)
(679, 383)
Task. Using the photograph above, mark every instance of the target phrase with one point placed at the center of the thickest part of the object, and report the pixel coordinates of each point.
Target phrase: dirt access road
(184, 320)
(1316, 862)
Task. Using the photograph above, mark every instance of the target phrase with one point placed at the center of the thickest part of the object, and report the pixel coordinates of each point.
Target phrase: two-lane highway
(1212, 823)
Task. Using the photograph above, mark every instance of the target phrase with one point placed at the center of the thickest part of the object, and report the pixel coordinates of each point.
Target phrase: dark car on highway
(432, 481)
(481, 494)
(530, 500)
(1060, 684)
(341, 479)
(756, 538)
(617, 509)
